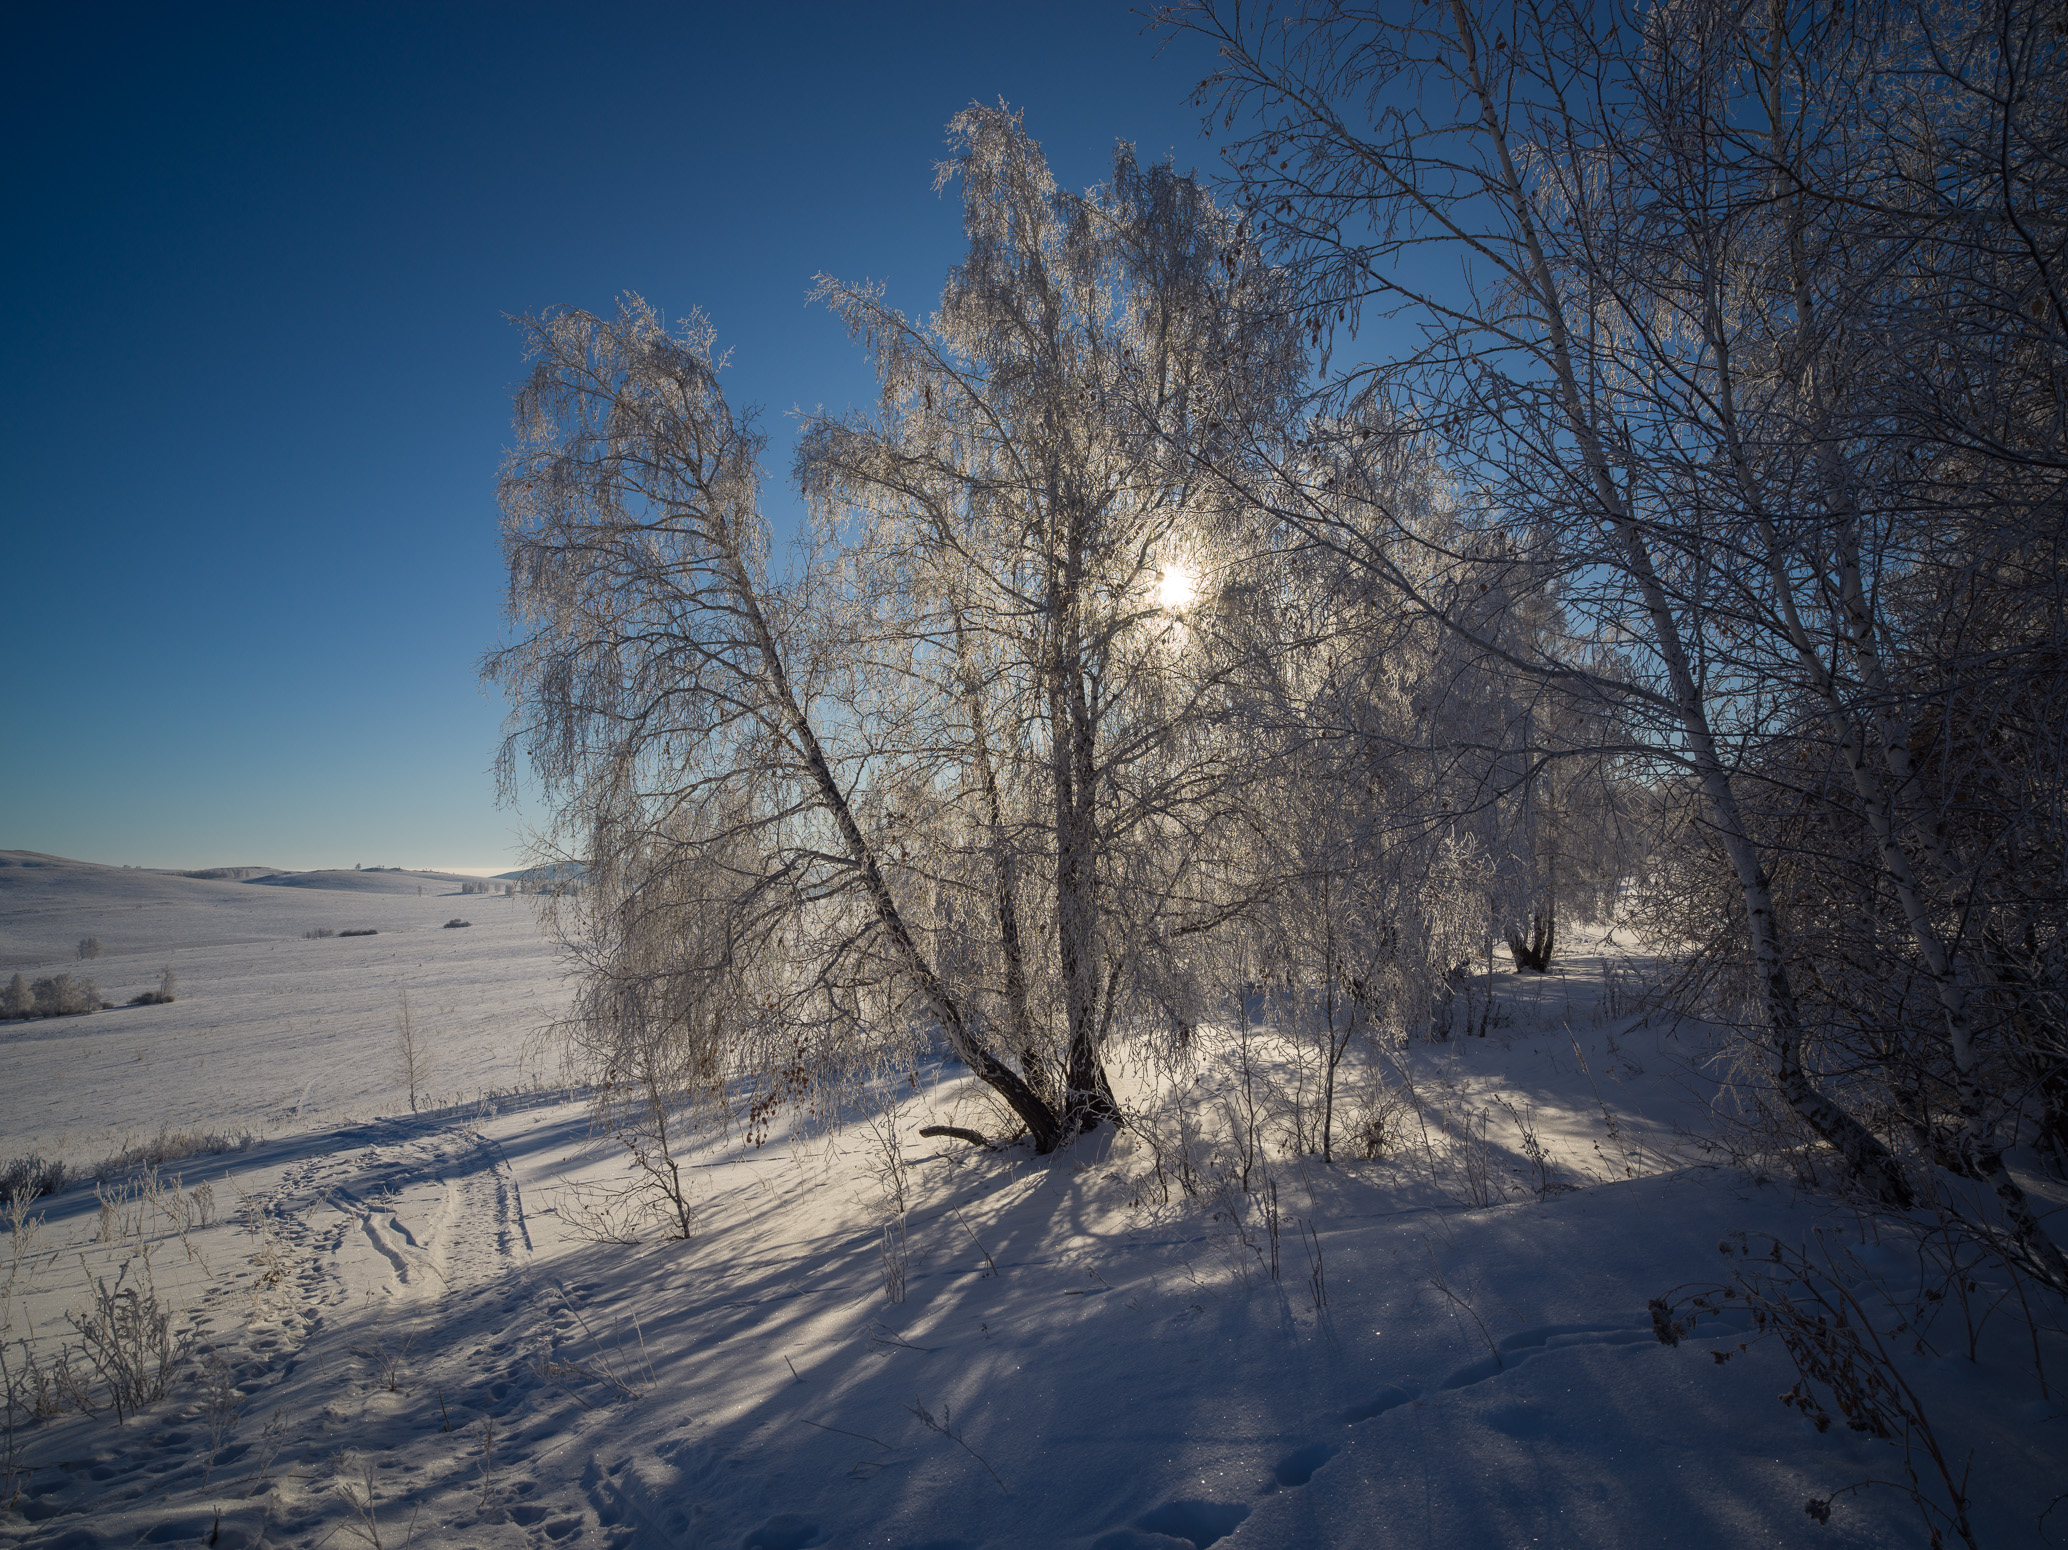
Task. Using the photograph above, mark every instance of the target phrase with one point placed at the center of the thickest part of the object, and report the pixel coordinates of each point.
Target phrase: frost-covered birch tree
(960, 768)
(1025, 511)
(1753, 353)
(1377, 138)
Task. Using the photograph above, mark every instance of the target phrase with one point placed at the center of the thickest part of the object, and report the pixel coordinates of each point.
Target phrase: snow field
(271, 1028)
(413, 1337)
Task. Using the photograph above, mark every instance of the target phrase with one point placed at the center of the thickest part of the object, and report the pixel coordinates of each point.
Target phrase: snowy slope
(270, 1027)
(410, 1308)
(48, 904)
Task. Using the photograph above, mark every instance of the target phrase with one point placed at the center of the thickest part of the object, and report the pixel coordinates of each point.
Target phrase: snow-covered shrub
(17, 1000)
(62, 996)
(168, 990)
(90, 947)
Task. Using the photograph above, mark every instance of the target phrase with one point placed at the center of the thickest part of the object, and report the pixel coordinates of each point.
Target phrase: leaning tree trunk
(1041, 1121)
(1866, 1158)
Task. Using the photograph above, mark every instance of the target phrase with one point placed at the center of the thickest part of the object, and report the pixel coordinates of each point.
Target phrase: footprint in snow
(1176, 1524)
(1391, 1397)
(1298, 1466)
(1199, 1524)
(784, 1531)
(1518, 1348)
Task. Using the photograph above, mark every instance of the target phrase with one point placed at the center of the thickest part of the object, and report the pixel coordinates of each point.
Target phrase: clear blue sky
(257, 363)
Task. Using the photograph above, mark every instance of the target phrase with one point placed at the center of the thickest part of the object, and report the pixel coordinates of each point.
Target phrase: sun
(1176, 590)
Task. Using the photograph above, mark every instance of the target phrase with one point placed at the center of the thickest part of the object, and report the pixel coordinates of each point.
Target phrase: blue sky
(257, 368)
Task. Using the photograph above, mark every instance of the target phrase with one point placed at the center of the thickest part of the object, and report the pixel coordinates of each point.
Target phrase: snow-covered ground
(271, 1027)
(403, 1331)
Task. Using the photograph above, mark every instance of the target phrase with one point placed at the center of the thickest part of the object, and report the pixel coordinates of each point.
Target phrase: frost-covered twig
(979, 1242)
(1443, 1286)
(1835, 1346)
(945, 1426)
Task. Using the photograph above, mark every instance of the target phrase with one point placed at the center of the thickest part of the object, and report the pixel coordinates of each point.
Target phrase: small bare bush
(896, 1260)
(600, 1214)
(14, 1410)
(23, 1385)
(1839, 1349)
(316, 933)
(29, 1176)
(455, 923)
(222, 1407)
(126, 1333)
(621, 1366)
(356, 1484)
(170, 1145)
(1380, 1120)
(389, 1364)
(90, 947)
(412, 1055)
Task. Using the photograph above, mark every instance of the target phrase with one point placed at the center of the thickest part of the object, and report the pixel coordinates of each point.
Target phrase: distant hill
(373, 879)
(36, 858)
(25, 872)
(48, 904)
